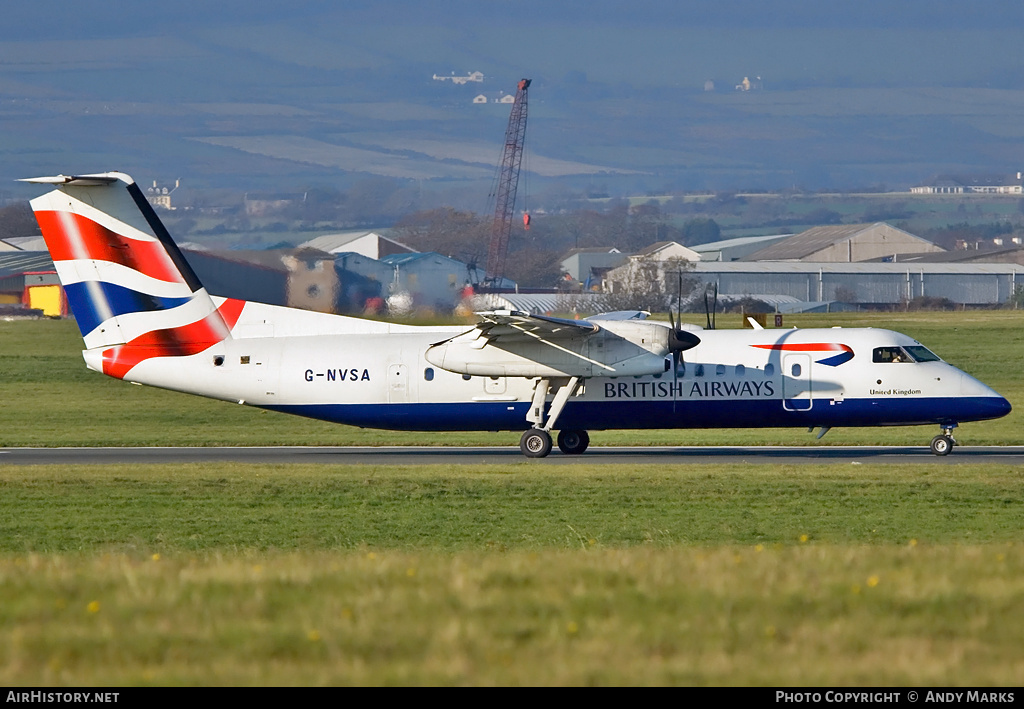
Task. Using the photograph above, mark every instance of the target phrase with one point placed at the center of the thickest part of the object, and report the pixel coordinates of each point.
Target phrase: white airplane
(146, 318)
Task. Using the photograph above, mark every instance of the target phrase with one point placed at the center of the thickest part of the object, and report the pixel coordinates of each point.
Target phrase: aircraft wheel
(573, 442)
(535, 443)
(942, 445)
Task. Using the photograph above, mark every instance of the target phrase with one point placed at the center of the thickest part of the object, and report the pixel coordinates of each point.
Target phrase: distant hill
(631, 100)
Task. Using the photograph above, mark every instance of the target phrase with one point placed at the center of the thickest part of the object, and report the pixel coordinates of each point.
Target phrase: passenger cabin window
(698, 371)
(769, 370)
(740, 370)
(796, 370)
(720, 370)
(428, 374)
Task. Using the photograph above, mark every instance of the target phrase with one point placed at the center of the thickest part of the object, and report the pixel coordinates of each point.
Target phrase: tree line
(535, 253)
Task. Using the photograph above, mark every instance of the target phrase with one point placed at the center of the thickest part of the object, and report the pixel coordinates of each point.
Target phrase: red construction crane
(508, 181)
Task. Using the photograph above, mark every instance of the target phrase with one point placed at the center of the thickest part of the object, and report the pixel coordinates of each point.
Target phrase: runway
(440, 455)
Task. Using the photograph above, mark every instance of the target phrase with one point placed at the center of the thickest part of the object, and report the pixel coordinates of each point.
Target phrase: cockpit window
(890, 354)
(921, 353)
(910, 353)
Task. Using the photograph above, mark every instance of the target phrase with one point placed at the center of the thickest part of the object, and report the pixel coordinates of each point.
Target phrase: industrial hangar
(823, 268)
(854, 265)
(877, 285)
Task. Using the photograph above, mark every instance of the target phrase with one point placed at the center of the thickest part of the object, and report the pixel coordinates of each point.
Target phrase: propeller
(679, 340)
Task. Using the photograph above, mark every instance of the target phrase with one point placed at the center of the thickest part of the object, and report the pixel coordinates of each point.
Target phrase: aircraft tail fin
(130, 288)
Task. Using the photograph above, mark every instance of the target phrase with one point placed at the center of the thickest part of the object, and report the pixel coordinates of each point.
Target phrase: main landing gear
(943, 443)
(536, 442)
(573, 442)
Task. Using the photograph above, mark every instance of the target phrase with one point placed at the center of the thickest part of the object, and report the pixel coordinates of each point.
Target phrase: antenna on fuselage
(711, 306)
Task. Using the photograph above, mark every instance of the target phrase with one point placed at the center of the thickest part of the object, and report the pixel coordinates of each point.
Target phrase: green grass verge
(51, 399)
(201, 508)
(797, 616)
(505, 575)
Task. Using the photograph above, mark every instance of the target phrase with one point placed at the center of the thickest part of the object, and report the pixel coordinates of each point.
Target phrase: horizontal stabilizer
(106, 178)
(622, 315)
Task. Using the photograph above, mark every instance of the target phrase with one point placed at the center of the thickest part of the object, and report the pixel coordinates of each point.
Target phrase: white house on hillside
(666, 251)
(958, 184)
(660, 253)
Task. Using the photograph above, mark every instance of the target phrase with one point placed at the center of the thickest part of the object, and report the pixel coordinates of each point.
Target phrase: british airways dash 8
(146, 318)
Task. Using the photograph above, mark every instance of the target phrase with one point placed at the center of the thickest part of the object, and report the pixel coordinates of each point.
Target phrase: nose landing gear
(943, 443)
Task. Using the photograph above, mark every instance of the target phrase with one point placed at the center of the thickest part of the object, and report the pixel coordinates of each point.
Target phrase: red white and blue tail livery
(132, 293)
(146, 318)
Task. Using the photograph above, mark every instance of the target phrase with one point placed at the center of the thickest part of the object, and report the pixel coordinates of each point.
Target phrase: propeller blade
(676, 357)
(679, 340)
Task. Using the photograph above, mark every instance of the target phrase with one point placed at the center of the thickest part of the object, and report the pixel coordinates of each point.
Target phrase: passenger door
(796, 383)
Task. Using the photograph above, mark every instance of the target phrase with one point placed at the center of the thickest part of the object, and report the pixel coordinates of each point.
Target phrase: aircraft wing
(513, 343)
(516, 325)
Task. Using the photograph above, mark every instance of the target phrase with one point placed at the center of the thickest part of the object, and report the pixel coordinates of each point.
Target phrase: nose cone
(992, 407)
(980, 401)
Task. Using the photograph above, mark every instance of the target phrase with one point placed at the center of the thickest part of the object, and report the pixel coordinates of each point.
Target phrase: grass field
(666, 574)
(428, 575)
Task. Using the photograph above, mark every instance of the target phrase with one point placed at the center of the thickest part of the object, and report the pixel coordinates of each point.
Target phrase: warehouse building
(368, 243)
(866, 284)
(247, 275)
(429, 279)
(736, 249)
(591, 263)
(28, 280)
(364, 283)
(845, 243)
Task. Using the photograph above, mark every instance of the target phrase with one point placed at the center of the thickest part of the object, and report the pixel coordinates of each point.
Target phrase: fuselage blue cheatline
(146, 318)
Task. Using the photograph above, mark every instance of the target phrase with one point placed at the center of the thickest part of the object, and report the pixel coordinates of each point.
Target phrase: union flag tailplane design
(132, 292)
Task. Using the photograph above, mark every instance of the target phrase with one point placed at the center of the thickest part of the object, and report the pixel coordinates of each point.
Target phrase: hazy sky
(878, 38)
(789, 42)
(117, 17)
(195, 73)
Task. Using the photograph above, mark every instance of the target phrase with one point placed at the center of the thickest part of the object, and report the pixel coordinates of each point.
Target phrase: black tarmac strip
(440, 455)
